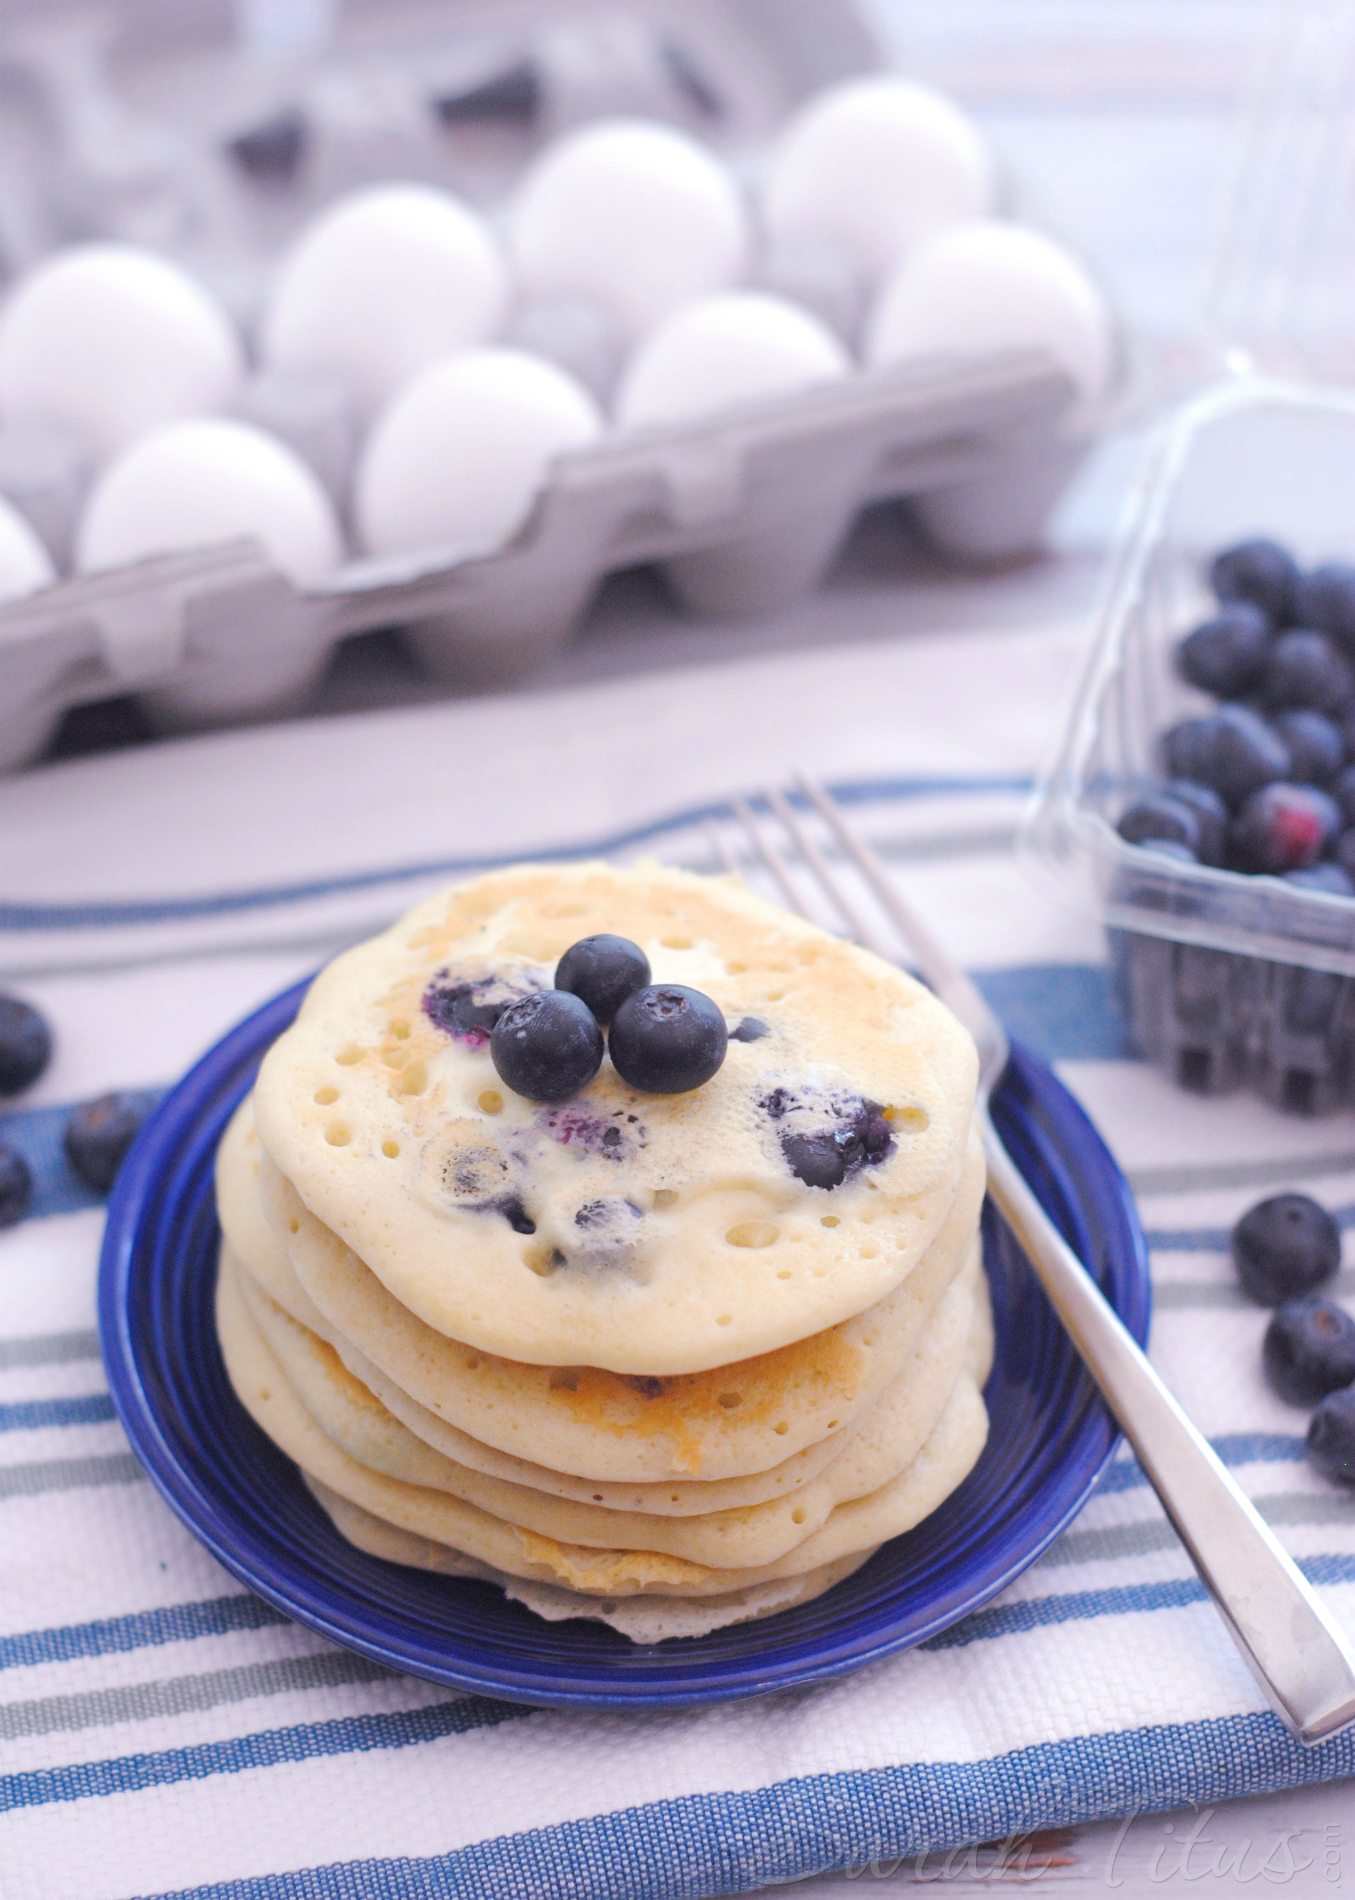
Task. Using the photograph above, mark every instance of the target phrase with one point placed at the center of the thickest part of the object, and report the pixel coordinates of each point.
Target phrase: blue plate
(1050, 1437)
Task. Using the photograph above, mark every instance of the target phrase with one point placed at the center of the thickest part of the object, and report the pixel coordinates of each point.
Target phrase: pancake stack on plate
(669, 1360)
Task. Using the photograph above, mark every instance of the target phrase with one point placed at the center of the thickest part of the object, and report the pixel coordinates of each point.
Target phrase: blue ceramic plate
(1050, 1438)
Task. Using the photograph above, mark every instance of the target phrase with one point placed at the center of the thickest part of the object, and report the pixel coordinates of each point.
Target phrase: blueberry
(1331, 1437)
(751, 1029)
(1328, 879)
(667, 1039)
(25, 1045)
(1259, 571)
(826, 1158)
(98, 1135)
(16, 1187)
(1233, 751)
(1326, 599)
(1343, 852)
(1282, 828)
(1309, 1350)
(1225, 656)
(1285, 1247)
(1316, 748)
(513, 1211)
(1160, 816)
(547, 1046)
(468, 1010)
(1210, 811)
(1342, 789)
(604, 971)
(271, 153)
(1304, 668)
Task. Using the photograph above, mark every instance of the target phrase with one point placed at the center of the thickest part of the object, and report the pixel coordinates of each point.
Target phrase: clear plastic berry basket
(1227, 980)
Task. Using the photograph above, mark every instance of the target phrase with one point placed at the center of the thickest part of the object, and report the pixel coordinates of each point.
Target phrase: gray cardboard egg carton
(744, 513)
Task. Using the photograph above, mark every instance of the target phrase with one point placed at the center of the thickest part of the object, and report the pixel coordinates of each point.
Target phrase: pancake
(644, 1619)
(649, 1235)
(897, 1427)
(259, 1381)
(262, 1256)
(723, 1423)
(240, 1212)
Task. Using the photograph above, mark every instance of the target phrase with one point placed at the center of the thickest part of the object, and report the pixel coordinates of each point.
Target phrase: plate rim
(134, 1197)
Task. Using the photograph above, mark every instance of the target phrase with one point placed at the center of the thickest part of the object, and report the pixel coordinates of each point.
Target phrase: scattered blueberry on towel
(25, 1044)
(1309, 1350)
(1285, 1247)
(1331, 1436)
(98, 1136)
(16, 1188)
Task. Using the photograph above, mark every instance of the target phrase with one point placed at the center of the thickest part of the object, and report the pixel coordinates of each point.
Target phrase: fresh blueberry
(1342, 790)
(1161, 817)
(1282, 828)
(667, 1039)
(1343, 852)
(1328, 879)
(1316, 747)
(98, 1135)
(271, 153)
(1305, 668)
(1225, 656)
(1259, 571)
(1233, 751)
(547, 1046)
(604, 971)
(1212, 813)
(1309, 1350)
(1326, 599)
(1331, 1437)
(751, 1029)
(16, 1187)
(25, 1045)
(1285, 1247)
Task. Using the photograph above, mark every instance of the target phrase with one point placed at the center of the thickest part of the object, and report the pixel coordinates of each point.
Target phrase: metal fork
(1294, 1648)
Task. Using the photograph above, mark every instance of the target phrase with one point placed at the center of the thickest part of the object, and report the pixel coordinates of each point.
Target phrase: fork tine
(939, 970)
(724, 857)
(829, 883)
(757, 837)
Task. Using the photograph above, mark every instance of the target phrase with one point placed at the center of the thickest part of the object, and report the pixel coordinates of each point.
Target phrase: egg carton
(744, 515)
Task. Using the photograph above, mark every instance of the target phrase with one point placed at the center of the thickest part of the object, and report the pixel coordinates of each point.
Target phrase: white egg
(113, 341)
(987, 286)
(875, 165)
(197, 484)
(460, 455)
(636, 216)
(724, 350)
(25, 564)
(381, 284)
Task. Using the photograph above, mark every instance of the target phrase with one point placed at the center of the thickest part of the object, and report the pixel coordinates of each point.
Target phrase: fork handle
(1296, 1651)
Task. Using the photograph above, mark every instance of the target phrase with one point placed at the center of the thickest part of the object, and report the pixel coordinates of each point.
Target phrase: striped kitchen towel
(163, 1732)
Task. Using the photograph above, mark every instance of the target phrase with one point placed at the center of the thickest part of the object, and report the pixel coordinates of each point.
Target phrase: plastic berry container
(1227, 981)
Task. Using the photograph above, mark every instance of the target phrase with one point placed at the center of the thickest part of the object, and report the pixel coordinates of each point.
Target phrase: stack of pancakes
(673, 1361)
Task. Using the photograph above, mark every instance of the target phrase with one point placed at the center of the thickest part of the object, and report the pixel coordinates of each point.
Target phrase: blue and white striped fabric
(162, 1732)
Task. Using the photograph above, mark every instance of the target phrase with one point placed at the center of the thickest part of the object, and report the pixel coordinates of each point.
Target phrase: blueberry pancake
(612, 1235)
(641, 1229)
